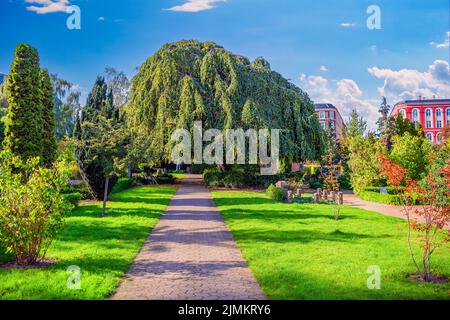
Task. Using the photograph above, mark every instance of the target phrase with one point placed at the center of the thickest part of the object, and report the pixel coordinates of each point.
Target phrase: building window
(430, 137)
(332, 126)
(438, 118)
(403, 112)
(322, 114)
(416, 119)
(448, 115)
(439, 138)
(428, 119)
(332, 115)
(323, 125)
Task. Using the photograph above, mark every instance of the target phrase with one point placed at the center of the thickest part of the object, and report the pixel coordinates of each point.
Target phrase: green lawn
(298, 251)
(103, 248)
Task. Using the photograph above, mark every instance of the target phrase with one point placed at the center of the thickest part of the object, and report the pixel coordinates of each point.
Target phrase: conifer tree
(98, 140)
(24, 125)
(49, 145)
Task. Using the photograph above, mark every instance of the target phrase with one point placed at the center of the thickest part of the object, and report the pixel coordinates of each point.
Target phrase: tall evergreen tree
(23, 134)
(3, 111)
(386, 124)
(97, 141)
(356, 126)
(49, 145)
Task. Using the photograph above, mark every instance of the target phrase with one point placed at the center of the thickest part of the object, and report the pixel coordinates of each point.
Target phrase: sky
(323, 46)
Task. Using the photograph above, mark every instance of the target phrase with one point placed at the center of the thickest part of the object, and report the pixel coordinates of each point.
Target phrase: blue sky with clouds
(324, 46)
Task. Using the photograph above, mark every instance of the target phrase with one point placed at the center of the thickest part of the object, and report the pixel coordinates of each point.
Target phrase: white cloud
(443, 45)
(323, 69)
(101, 18)
(196, 5)
(348, 24)
(48, 6)
(344, 94)
(407, 84)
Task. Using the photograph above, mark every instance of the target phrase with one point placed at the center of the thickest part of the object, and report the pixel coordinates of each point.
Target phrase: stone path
(386, 209)
(190, 255)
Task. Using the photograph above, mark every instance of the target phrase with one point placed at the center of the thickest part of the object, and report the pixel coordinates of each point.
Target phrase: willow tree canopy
(192, 81)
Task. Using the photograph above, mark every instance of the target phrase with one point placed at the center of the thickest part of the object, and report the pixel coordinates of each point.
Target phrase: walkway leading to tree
(388, 210)
(190, 255)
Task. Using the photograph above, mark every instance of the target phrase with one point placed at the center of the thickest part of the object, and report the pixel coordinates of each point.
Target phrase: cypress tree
(23, 133)
(49, 144)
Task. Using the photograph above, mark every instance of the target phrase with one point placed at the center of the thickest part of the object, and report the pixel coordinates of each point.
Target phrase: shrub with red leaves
(430, 217)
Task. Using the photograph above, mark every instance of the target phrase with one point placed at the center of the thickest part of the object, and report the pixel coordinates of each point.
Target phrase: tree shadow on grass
(281, 215)
(94, 211)
(300, 236)
(96, 230)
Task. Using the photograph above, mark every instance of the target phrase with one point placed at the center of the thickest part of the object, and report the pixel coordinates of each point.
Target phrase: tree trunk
(130, 174)
(105, 197)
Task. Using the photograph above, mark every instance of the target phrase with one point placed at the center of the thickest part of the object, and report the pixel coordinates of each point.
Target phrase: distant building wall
(433, 115)
(328, 116)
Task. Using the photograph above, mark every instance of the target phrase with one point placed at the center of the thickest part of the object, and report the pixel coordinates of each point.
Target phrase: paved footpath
(386, 209)
(190, 255)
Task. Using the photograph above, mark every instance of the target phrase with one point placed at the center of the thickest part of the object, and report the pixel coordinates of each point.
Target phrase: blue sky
(324, 46)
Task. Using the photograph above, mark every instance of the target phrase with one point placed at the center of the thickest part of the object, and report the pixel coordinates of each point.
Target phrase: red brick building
(433, 115)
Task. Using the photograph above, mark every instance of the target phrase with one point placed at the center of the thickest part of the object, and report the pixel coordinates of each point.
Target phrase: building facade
(433, 115)
(329, 116)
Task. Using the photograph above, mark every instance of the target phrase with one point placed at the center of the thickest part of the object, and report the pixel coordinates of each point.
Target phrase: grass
(103, 248)
(298, 251)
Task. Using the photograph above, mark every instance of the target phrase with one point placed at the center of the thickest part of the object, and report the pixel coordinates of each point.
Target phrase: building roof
(324, 106)
(423, 102)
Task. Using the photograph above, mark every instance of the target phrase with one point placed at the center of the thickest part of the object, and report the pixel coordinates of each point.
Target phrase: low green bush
(315, 183)
(390, 190)
(165, 179)
(381, 198)
(345, 183)
(277, 194)
(124, 184)
(239, 179)
(32, 206)
(73, 198)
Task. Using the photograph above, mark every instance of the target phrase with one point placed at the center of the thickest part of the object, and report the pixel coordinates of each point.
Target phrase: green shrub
(165, 179)
(345, 183)
(277, 194)
(390, 190)
(124, 184)
(315, 183)
(212, 177)
(199, 168)
(73, 198)
(381, 198)
(32, 206)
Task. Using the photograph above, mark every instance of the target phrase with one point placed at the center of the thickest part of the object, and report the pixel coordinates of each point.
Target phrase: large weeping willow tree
(192, 81)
